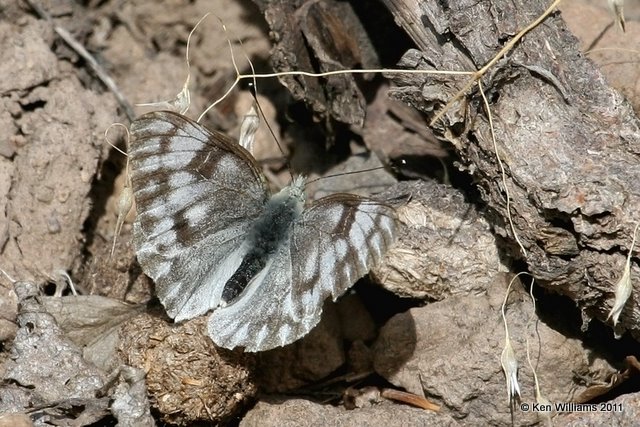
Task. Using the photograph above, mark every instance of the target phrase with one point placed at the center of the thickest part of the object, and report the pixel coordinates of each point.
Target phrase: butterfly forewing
(211, 237)
(192, 212)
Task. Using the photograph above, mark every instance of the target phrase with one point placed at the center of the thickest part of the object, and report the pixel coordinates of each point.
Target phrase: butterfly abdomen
(270, 231)
(213, 239)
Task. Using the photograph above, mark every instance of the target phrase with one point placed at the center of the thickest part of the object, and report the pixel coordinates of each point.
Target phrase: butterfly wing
(196, 192)
(333, 243)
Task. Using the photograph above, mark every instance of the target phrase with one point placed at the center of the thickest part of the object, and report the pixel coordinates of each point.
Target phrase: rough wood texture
(569, 143)
(321, 36)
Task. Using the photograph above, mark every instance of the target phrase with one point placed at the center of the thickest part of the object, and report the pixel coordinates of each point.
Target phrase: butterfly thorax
(268, 233)
(213, 238)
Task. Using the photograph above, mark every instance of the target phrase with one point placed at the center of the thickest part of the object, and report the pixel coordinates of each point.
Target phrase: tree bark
(570, 144)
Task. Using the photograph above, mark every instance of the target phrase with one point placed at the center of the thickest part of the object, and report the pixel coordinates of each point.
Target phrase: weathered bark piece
(321, 36)
(569, 142)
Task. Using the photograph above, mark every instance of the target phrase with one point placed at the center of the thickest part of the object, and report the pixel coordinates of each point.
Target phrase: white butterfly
(211, 236)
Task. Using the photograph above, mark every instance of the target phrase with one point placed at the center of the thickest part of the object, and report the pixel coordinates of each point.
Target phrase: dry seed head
(622, 294)
(623, 288)
(617, 8)
(126, 196)
(250, 124)
(510, 368)
(544, 416)
(179, 104)
(508, 358)
(182, 101)
(124, 206)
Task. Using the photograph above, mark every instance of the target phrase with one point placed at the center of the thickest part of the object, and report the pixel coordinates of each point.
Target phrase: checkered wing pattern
(333, 243)
(197, 192)
(212, 237)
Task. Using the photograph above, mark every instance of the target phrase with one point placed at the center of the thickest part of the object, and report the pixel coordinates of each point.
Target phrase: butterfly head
(295, 190)
(264, 265)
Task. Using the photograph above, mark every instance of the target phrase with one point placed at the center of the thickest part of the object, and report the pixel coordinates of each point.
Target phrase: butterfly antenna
(345, 173)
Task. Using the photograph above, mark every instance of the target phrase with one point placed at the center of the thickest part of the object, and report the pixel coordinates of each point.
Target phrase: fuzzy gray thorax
(268, 233)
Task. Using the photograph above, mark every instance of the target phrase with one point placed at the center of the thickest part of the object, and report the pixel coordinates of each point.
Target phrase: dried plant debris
(182, 101)
(508, 359)
(623, 288)
(409, 399)
(510, 367)
(71, 411)
(92, 323)
(615, 380)
(248, 128)
(50, 378)
(64, 365)
(57, 367)
(130, 405)
(125, 203)
(545, 415)
(188, 379)
(365, 397)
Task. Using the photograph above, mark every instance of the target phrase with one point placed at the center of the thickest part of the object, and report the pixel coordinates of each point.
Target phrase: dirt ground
(432, 330)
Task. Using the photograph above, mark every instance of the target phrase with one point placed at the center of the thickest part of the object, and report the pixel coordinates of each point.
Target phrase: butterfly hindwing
(196, 193)
(332, 244)
(212, 238)
(351, 235)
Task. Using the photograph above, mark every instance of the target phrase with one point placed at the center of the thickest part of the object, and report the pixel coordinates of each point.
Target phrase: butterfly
(213, 238)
